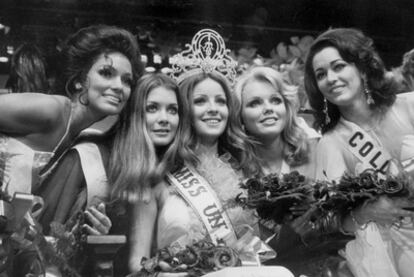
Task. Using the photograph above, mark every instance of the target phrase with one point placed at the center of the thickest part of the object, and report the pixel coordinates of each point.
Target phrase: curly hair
(358, 49)
(233, 140)
(135, 163)
(296, 151)
(82, 49)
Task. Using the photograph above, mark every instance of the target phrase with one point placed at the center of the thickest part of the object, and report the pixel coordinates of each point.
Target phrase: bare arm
(143, 222)
(26, 113)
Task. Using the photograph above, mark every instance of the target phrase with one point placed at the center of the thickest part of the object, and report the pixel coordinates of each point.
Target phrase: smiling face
(109, 84)
(161, 116)
(264, 111)
(209, 110)
(339, 81)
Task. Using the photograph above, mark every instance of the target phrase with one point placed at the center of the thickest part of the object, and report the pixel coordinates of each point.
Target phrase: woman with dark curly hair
(365, 126)
(101, 67)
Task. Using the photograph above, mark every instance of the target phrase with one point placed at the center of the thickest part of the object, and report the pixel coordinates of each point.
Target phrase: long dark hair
(358, 49)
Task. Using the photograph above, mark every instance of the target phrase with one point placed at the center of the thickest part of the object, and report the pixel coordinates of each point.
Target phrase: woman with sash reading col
(199, 196)
(365, 126)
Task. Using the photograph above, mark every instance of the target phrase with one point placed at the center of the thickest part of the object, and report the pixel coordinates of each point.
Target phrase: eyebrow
(330, 63)
(253, 98)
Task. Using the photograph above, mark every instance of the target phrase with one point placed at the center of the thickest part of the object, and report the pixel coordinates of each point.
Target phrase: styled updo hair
(82, 49)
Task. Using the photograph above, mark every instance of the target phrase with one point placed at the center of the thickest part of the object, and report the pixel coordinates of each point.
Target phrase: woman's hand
(100, 222)
(384, 211)
(303, 225)
(166, 270)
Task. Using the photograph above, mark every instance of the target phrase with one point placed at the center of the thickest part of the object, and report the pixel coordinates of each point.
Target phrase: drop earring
(368, 93)
(325, 111)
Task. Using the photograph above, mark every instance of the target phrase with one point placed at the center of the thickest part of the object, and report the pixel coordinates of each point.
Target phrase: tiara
(207, 53)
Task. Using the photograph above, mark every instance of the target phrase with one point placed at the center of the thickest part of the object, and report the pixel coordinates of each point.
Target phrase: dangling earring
(368, 93)
(325, 111)
(78, 86)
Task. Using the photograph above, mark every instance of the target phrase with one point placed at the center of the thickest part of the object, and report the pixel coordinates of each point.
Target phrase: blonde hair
(296, 147)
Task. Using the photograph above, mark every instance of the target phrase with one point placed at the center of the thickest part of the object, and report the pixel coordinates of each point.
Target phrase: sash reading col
(367, 149)
(202, 198)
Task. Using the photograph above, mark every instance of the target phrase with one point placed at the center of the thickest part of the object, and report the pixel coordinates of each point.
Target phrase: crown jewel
(207, 53)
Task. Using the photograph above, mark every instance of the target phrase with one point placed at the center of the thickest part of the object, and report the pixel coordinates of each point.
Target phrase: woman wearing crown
(198, 199)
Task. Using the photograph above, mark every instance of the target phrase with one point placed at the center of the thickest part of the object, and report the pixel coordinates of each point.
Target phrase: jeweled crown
(206, 53)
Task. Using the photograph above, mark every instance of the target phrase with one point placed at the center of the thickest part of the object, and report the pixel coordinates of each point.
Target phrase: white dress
(178, 222)
(378, 250)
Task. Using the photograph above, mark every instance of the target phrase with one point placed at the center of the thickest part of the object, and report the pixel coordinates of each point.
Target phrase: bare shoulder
(405, 101)
(406, 96)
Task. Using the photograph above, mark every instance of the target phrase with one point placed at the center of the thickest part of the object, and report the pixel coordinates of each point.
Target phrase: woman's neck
(82, 118)
(207, 149)
(359, 113)
(271, 155)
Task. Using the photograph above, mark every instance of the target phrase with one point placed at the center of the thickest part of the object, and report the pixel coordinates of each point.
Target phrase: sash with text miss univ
(199, 195)
(197, 192)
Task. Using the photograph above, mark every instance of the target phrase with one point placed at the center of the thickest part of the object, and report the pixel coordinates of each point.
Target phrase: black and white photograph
(206, 138)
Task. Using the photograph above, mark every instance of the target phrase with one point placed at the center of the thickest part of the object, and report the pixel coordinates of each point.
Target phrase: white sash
(94, 171)
(367, 150)
(197, 192)
(377, 250)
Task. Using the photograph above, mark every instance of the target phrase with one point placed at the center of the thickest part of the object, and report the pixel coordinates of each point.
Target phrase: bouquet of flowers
(274, 196)
(196, 260)
(63, 251)
(353, 190)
